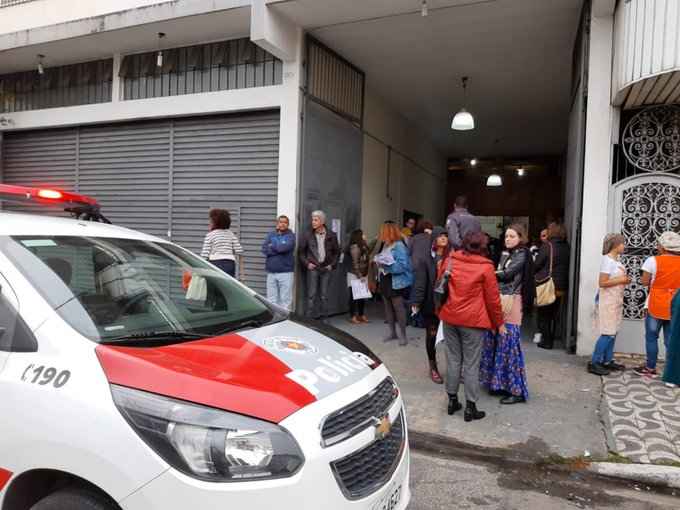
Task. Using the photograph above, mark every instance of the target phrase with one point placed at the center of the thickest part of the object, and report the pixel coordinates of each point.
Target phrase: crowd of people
(466, 291)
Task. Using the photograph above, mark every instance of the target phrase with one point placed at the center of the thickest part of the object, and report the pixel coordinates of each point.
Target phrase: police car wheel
(73, 499)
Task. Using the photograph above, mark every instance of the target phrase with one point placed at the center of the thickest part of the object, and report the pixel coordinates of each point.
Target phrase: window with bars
(227, 65)
(71, 85)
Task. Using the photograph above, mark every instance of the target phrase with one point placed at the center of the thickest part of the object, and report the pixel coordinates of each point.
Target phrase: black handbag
(441, 287)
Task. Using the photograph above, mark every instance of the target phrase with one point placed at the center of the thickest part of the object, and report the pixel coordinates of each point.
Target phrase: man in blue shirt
(278, 247)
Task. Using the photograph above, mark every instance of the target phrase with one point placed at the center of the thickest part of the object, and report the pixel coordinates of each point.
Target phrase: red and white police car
(136, 376)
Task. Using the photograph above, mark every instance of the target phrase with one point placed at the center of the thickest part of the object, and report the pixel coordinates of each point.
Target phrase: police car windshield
(108, 288)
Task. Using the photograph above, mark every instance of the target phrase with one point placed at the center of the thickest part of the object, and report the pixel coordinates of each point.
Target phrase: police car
(134, 375)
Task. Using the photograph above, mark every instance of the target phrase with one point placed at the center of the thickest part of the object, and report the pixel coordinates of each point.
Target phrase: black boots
(471, 412)
(454, 405)
(597, 369)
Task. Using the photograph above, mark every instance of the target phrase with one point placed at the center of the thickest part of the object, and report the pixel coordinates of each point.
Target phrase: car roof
(12, 223)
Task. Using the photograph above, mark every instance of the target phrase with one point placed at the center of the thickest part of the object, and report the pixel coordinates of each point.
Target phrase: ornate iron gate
(647, 191)
(648, 206)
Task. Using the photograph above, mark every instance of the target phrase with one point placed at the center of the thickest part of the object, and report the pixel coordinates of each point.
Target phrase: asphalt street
(438, 482)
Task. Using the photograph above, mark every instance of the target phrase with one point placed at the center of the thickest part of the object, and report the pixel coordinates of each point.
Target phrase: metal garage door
(161, 177)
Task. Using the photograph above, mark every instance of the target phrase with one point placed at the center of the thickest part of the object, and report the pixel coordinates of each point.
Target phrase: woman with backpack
(358, 253)
(502, 368)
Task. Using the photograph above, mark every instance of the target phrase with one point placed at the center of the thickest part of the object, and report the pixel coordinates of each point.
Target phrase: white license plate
(391, 499)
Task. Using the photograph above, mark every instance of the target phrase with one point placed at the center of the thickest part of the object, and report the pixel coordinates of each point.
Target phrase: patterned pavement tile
(645, 417)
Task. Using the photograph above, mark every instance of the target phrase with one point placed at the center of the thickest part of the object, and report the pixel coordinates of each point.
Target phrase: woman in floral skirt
(502, 368)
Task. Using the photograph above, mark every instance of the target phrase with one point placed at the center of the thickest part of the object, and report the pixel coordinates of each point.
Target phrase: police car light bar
(81, 206)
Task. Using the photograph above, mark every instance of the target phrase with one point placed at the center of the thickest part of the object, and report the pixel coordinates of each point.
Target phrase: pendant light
(159, 55)
(423, 9)
(463, 121)
(494, 181)
(41, 67)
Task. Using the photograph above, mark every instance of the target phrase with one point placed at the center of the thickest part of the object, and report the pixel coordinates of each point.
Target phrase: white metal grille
(647, 210)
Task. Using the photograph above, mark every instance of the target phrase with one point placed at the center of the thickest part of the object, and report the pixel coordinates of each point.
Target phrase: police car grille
(342, 424)
(365, 471)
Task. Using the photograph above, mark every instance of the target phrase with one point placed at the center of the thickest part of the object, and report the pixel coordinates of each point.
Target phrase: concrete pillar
(290, 134)
(597, 172)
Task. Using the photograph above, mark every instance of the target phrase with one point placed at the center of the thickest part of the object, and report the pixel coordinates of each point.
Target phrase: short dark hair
(220, 218)
(557, 230)
(476, 243)
(422, 225)
(461, 201)
(284, 217)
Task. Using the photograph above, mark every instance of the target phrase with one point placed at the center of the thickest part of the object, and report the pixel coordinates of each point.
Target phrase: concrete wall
(41, 13)
(418, 187)
(597, 174)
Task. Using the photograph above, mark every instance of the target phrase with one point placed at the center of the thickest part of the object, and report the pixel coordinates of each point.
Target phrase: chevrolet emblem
(383, 427)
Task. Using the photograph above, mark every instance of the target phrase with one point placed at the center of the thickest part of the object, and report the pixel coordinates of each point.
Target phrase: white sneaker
(671, 385)
(537, 338)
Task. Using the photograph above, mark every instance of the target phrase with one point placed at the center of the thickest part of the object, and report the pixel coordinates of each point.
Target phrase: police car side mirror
(2, 331)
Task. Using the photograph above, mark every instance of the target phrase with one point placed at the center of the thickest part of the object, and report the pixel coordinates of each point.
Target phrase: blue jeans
(280, 289)
(604, 350)
(653, 327)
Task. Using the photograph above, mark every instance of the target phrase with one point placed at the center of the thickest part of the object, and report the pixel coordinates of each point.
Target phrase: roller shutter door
(162, 177)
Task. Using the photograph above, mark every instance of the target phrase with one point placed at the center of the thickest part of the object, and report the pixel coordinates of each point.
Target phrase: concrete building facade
(165, 109)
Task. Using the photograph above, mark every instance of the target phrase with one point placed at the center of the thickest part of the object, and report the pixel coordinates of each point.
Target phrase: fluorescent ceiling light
(494, 180)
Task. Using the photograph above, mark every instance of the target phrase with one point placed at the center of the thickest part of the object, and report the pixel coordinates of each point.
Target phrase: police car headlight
(208, 443)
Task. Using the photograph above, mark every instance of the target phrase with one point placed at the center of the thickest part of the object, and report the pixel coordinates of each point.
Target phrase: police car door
(9, 304)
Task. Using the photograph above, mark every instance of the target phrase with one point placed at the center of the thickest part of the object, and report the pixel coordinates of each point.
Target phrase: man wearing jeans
(319, 253)
(278, 247)
(662, 275)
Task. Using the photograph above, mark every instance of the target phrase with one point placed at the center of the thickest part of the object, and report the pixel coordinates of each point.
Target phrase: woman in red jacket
(473, 307)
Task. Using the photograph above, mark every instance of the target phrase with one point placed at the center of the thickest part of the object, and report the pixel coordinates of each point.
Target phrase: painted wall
(597, 174)
(418, 187)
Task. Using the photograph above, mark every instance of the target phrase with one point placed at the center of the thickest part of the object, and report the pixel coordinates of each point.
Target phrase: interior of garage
(517, 55)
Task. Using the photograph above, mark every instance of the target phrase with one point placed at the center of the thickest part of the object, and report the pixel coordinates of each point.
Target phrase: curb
(665, 476)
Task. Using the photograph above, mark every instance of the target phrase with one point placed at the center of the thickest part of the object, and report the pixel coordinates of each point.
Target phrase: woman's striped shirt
(221, 244)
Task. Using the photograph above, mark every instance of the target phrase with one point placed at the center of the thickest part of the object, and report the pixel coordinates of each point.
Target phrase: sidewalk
(562, 416)
(644, 416)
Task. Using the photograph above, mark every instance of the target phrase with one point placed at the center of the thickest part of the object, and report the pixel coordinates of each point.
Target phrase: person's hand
(311, 266)
(625, 279)
(415, 309)
(502, 330)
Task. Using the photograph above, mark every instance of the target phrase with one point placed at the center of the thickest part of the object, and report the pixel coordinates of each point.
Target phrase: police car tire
(73, 499)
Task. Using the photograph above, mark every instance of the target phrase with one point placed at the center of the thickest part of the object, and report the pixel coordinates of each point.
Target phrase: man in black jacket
(319, 253)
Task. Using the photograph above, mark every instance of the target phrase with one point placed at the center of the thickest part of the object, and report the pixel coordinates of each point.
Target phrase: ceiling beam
(272, 31)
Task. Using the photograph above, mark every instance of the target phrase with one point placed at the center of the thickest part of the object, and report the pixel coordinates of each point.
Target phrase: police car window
(107, 288)
(15, 335)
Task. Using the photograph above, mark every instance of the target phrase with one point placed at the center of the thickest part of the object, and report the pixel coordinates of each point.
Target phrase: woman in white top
(221, 246)
(613, 280)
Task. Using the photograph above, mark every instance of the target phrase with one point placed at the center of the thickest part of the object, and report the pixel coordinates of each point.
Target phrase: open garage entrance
(518, 55)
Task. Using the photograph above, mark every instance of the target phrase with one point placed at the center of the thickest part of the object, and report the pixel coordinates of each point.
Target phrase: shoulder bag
(545, 289)
(441, 287)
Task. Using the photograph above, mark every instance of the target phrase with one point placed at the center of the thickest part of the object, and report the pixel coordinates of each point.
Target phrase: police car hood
(268, 373)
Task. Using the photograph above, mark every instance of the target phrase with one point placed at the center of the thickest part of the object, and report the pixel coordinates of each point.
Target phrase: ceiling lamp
(159, 55)
(521, 172)
(494, 181)
(463, 121)
(41, 67)
(473, 162)
(423, 9)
